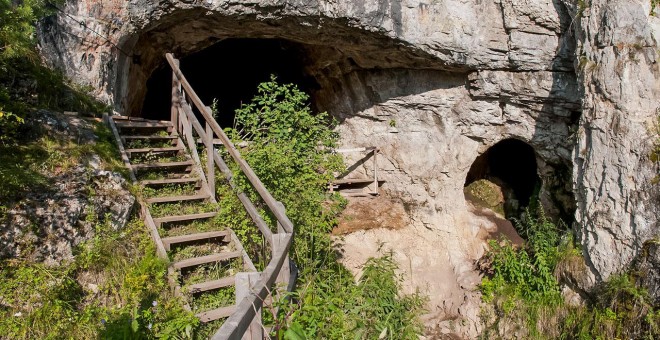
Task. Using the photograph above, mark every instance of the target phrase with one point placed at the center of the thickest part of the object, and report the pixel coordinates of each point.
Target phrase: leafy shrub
(290, 149)
(524, 300)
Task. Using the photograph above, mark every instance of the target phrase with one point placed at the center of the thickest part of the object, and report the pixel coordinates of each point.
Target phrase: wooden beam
(244, 284)
(243, 165)
(237, 324)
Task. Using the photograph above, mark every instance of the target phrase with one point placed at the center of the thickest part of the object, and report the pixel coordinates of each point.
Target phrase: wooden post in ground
(376, 171)
(244, 283)
(210, 165)
(176, 91)
(282, 281)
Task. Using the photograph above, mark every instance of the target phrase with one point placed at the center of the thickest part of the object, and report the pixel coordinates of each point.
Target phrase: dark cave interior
(511, 164)
(229, 72)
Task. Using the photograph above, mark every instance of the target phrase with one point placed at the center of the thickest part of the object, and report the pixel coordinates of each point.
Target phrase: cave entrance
(229, 72)
(504, 178)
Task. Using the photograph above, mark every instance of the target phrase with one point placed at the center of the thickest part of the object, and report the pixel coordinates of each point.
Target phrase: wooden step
(148, 150)
(131, 137)
(196, 261)
(168, 241)
(161, 165)
(352, 181)
(170, 181)
(142, 124)
(215, 314)
(181, 218)
(210, 285)
(171, 199)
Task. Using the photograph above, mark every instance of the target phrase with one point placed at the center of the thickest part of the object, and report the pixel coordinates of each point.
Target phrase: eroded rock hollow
(433, 84)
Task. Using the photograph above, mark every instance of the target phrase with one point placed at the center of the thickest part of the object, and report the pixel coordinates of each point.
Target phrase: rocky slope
(434, 84)
(78, 195)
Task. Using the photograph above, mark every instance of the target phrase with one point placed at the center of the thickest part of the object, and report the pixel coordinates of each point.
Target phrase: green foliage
(290, 149)
(528, 272)
(332, 306)
(130, 299)
(524, 298)
(26, 84)
(28, 166)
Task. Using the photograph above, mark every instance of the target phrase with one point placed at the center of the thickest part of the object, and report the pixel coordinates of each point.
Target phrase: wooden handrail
(246, 310)
(243, 165)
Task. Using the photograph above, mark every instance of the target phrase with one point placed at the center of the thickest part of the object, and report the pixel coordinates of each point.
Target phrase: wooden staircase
(178, 204)
(180, 209)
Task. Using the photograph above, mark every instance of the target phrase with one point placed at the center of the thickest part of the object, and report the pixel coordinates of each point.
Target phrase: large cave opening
(510, 168)
(229, 72)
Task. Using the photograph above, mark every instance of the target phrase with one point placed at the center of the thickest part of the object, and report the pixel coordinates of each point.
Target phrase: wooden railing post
(376, 171)
(210, 164)
(176, 92)
(244, 284)
(278, 245)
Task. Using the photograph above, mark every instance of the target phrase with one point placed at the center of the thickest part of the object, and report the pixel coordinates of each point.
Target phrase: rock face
(618, 68)
(433, 84)
(47, 225)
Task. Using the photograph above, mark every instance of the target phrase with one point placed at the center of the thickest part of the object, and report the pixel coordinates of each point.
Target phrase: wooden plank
(187, 116)
(147, 150)
(196, 261)
(211, 285)
(182, 198)
(239, 321)
(153, 229)
(247, 262)
(210, 166)
(244, 284)
(122, 151)
(216, 314)
(181, 218)
(176, 97)
(170, 181)
(161, 165)
(247, 203)
(148, 137)
(169, 241)
(352, 181)
(139, 119)
(143, 125)
(243, 165)
(284, 275)
(369, 148)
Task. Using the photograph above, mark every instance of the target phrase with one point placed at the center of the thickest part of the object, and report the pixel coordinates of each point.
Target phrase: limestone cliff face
(617, 64)
(454, 77)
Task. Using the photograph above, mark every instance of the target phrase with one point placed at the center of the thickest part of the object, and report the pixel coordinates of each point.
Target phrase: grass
(115, 288)
(222, 297)
(196, 226)
(30, 166)
(170, 190)
(212, 271)
(182, 208)
(190, 251)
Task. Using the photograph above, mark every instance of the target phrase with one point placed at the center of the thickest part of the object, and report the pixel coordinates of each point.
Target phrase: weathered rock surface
(619, 72)
(48, 224)
(433, 84)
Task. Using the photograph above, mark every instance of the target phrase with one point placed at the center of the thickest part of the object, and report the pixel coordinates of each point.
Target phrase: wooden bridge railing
(277, 270)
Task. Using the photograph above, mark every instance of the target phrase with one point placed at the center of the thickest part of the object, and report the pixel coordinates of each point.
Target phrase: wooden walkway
(179, 207)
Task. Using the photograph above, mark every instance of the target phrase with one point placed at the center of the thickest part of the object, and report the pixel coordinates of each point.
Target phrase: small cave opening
(504, 178)
(229, 72)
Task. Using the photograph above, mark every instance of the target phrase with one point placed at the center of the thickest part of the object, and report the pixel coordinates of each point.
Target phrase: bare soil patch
(366, 213)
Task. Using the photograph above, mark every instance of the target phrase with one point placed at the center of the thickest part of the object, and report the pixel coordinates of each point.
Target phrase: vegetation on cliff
(523, 291)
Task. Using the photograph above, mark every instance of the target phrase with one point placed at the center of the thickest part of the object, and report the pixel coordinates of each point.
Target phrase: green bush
(523, 298)
(290, 149)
